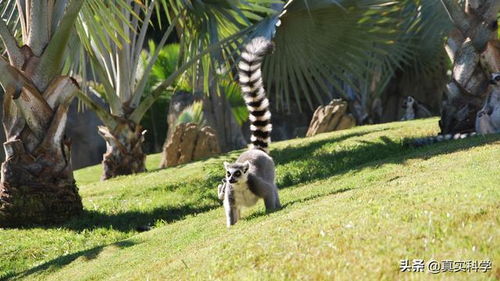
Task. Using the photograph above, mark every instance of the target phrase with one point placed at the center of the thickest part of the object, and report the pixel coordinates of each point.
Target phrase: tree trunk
(37, 184)
(470, 47)
(2, 133)
(124, 154)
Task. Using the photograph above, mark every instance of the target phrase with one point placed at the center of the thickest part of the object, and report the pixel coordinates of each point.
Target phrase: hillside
(356, 202)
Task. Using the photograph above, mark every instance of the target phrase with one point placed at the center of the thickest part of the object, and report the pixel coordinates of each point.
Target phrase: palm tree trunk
(124, 154)
(469, 46)
(124, 138)
(37, 184)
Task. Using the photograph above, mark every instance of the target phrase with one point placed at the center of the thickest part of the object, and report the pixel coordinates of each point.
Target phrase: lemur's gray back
(261, 164)
(250, 78)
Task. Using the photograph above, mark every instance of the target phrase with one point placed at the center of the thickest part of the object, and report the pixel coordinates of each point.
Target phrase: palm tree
(116, 66)
(37, 184)
(475, 50)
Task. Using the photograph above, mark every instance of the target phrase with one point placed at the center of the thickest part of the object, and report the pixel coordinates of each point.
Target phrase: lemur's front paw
(221, 189)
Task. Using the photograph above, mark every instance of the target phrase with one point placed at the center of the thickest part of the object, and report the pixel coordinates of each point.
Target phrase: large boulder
(178, 103)
(331, 117)
(189, 142)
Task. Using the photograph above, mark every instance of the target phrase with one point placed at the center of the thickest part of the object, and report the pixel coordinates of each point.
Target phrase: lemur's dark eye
(228, 173)
(237, 173)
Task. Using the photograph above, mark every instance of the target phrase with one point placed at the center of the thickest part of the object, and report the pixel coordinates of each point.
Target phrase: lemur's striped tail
(250, 77)
(440, 138)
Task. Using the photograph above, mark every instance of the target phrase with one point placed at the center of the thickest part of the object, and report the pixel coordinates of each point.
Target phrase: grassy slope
(355, 203)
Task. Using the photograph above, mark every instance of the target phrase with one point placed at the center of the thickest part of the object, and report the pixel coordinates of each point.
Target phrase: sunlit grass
(356, 202)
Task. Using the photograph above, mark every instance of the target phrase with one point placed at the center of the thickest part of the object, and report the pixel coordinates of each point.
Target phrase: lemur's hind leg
(277, 203)
(265, 190)
(272, 200)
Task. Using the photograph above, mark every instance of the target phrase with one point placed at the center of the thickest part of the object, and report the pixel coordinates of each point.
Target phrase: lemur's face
(236, 172)
(408, 102)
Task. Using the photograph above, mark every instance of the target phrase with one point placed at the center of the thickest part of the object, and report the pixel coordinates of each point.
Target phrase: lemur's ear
(226, 164)
(246, 166)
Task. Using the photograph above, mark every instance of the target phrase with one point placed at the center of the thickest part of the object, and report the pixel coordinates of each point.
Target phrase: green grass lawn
(356, 202)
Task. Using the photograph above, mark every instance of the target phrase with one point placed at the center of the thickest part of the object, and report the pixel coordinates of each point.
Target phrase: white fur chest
(243, 196)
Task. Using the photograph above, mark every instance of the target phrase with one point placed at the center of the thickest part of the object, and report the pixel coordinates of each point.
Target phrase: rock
(207, 144)
(331, 117)
(170, 151)
(189, 143)
(179, 101)
(346, 122)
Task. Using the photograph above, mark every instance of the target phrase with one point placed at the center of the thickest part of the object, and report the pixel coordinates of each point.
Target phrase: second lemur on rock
(414, 109)
(252, 176)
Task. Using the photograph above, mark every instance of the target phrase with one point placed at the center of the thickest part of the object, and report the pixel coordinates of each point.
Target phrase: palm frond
(321, 42)
(210, 33)
(164, 67)
(192, 114)
(114, 56)
(208, 22)
(233, 94)
(326, 48)
(47, 27)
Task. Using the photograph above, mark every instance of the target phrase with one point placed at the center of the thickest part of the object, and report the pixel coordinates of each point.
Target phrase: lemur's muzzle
(232, 180)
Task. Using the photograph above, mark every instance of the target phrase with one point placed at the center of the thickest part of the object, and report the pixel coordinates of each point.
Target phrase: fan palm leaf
(324, 46)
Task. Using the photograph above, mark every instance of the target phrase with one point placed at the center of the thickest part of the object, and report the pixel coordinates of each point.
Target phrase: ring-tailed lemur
(487, 119)
(252, 175)
(414, 109)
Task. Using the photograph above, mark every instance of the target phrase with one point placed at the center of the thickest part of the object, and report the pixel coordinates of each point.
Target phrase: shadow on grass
(290, 154)
(298, 200)
(62, 261)
(366, 154)
(315, 196)
(124, 222)
(326, 158)
(130, 220)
